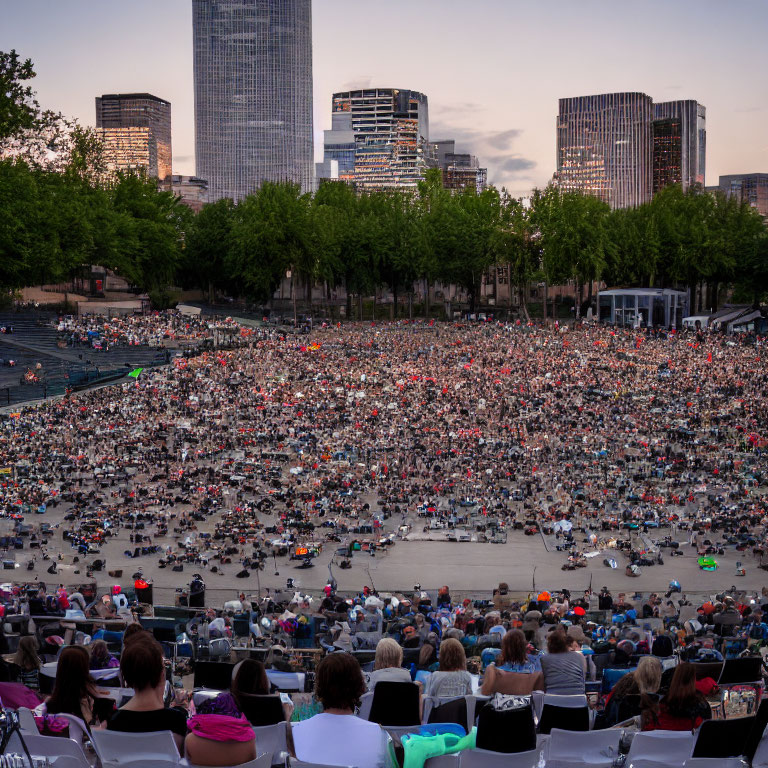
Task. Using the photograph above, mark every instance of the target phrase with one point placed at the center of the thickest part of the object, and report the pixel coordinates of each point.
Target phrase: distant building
(679, 144)
(463, 171)
(253, 94)
(749, 187)
(605, 145)
(192, 190)
(379, 137)
(460, 170)
(136, 130)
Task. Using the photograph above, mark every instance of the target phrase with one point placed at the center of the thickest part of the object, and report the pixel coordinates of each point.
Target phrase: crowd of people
(643, 676)
(156, 329)
(593, 429)
(222, 457)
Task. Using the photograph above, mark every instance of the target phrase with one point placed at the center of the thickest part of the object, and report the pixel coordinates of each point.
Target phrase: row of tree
(60, 210)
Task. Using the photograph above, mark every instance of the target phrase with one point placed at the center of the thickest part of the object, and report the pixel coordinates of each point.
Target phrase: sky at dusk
(493, 70)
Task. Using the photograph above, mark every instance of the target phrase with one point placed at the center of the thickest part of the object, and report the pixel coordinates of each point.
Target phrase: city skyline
(499, 98)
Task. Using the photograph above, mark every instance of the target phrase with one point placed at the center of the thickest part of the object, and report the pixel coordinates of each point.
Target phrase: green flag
(135, 374)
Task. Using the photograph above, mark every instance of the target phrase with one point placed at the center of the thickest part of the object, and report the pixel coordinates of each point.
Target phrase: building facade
(192, 191)
(679, 144)
(379, 137)
(136, 130)
(253, 94)
(604, 147)
(749, 187)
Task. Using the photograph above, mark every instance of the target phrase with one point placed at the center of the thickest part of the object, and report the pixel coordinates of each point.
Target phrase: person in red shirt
(682, 709)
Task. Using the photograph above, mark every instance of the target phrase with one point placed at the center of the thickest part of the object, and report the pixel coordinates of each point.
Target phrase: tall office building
(379, 137)
(136, 130)
(604, 147)
(253, 94)
(679, 144)
(751, 188)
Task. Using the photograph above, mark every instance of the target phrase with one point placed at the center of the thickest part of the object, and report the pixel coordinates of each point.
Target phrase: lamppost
(289, 275)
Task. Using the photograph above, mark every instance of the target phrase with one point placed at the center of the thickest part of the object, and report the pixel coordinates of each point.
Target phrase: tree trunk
(360, 306)
(546, 298)
(349, 302)
(577, 308)
(394, 302)
(426, 298)
(524, 302)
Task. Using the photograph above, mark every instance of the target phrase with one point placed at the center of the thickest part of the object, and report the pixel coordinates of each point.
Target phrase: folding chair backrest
(395, 704)
(452, 710)
(27, 721)
(723, 738)
(262, 761)
(564, 718)
(262, 710)
(116, 747)
(483, 758)
(707, 762)
(271, 739)
(507, 731)
(669, 748)
(592, 748)
(746, 670)
(758, 729)
(48, 746)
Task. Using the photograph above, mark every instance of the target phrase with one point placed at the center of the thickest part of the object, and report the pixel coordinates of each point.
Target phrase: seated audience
(337, 736)
(250, 678)
(388, 664)
(101, 658)
(564, 670)
(143, 668)
(634, 692)
(27, 660)
(452, 678)
(514, 673)
(74, 691)
(683, 708)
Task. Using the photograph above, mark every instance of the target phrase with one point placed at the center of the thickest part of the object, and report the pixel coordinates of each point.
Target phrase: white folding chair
(715, 762)
(364, 710)
(57, 749)
(262, 761)
(77, 728)
(539, 699)
(443, 761)
(117, 748)
(272, 740)
(152, 764)
(294, 763)
(483, 758)
(662, 748)
(566, 749)
(27, 722)
(760, 758)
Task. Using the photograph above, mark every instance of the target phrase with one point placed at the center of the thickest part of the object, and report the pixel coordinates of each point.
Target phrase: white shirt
(340, 740)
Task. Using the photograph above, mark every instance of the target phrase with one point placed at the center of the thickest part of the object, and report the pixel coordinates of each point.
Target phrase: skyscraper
(379, 137)
(253, 94)
(679, 143)
(604, 147)
(136, 129)
(751, 188)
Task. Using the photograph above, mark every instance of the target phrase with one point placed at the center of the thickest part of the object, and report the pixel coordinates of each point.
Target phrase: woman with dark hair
(564, 670)
(143, 668)
(250, 679)
(514, 673)
(74, 690)
(29, 662)
(101, 658)
(427, 658)
(682, 709)
(336, 736)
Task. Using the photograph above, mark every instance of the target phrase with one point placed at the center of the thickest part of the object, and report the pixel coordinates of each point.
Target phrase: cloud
(357, 83)
(511, 165)
(452, 109)
(504, 139)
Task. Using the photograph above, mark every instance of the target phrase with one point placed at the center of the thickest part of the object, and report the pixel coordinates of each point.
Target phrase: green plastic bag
(418, 749)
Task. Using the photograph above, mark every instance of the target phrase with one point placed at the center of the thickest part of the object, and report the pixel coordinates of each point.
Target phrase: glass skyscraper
(136, 130)
(605, 145)
(253, 94)
(379, 137)
(679, 143)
